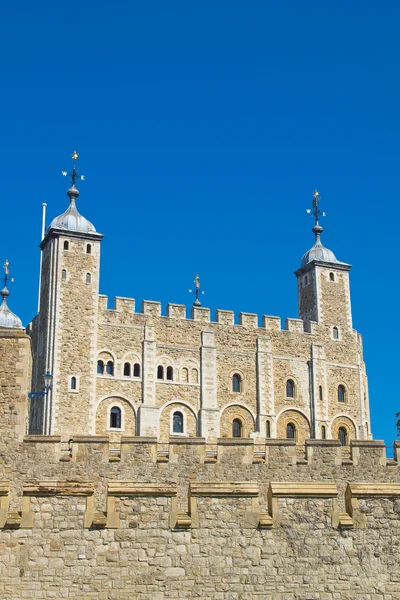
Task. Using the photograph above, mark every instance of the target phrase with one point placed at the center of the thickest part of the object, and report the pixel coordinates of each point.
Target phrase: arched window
(236, 383)
(341, 393)
(88, 249)
(323, 432)
(320, 393)
(66, 245)
(88, 278)
(73, 383)
(335, 333)
(177, 422)
(115, 417)
(290, 431)
(268, 429)
(331, 276)
(110, 368)
(290, 388)
(63, 275)
(100, 367)
(160, 372)
(127, 370)
(305, 279)
(185, 375)
(342, 435)
(236, 428)
(170, 373)
(136, 370)
(195, 376)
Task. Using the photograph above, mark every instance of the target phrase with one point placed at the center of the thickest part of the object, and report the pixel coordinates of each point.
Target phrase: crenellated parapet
(184, 472)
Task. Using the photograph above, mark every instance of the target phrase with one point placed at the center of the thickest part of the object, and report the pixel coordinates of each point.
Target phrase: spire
(72, 220)
(317, 213)
(318, 251)
(7, 318)
(196, 291)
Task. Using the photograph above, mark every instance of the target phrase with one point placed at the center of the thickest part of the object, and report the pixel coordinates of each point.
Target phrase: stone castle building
(171, 456)
(122, 371)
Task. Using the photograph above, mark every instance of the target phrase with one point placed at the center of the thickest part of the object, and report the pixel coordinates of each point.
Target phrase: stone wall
(234, 520)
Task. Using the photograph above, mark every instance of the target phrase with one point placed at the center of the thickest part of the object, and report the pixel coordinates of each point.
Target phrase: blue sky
(203, 129)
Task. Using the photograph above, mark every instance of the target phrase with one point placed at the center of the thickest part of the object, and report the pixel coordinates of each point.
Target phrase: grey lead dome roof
(7, 318)
(72, 220)
(318, 251)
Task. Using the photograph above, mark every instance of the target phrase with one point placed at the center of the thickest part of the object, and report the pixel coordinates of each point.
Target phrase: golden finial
(196, 291)
(315, 210)
(74, 155)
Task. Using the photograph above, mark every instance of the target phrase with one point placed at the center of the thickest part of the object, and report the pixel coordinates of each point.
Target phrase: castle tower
(65, 330)
(323, 284)
(15, 372)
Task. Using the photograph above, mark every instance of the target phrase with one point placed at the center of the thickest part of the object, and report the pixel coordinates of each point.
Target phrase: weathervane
(6, 272)
(315, 210)
(74, 175)
(196, 291)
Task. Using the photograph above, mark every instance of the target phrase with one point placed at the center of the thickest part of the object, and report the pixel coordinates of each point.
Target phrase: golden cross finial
(74, 155)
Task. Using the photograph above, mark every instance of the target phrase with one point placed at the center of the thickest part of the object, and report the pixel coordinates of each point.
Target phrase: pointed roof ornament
(7, 318)
(318, 251)
(72, 220)
(196, 291)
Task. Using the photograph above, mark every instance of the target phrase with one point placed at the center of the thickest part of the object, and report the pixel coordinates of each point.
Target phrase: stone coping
(368, 443)
(235, 441)
(42, 439)
(138, 440)
(323, 443)
(186, 440)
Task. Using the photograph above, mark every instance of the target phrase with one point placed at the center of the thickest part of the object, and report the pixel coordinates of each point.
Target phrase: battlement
(200, 314)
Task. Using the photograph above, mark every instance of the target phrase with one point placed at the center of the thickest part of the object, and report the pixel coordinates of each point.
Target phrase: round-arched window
(290, 388)
(291, 431)
(341, 393)
(177, 422)
(236, 383)
(237, 428)
(342, 435)
(115, 418)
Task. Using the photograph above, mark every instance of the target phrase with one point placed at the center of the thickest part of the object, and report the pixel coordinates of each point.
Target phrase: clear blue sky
(203, 129)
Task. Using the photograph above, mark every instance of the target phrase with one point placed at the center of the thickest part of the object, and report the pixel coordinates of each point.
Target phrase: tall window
(88, 278)
(323, 432)
(115, 417)
(342, 435)
(110, 368)
(236, 383)
(66, 245)
(341, 393)
(73, 383)
(100, 367)
(160, 372)
(127, 370)
(185, 375)
(268, 429)
(290, 388)
(195, 376)
(290, 431)
(320, 392)
(177, 422)
(136, 370)
(88, 249)
(63, 275)
(170, 373)
(332, 276)
(335, 333)
(236, 428)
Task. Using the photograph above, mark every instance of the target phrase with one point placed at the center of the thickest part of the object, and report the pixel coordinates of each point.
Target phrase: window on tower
(88, 249)
(110, 368)
(331, 276)
(177, 422)
(88, 278)
(290, 431)
(236, 383)
(100, 367)
(136, 370)
(160, 372)
(66, 245)
(63, 275)
(115, 418)
(170, 373)
(335, 333)
(341, 393)
(237, 428)
(127, 369)
(290, 388)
